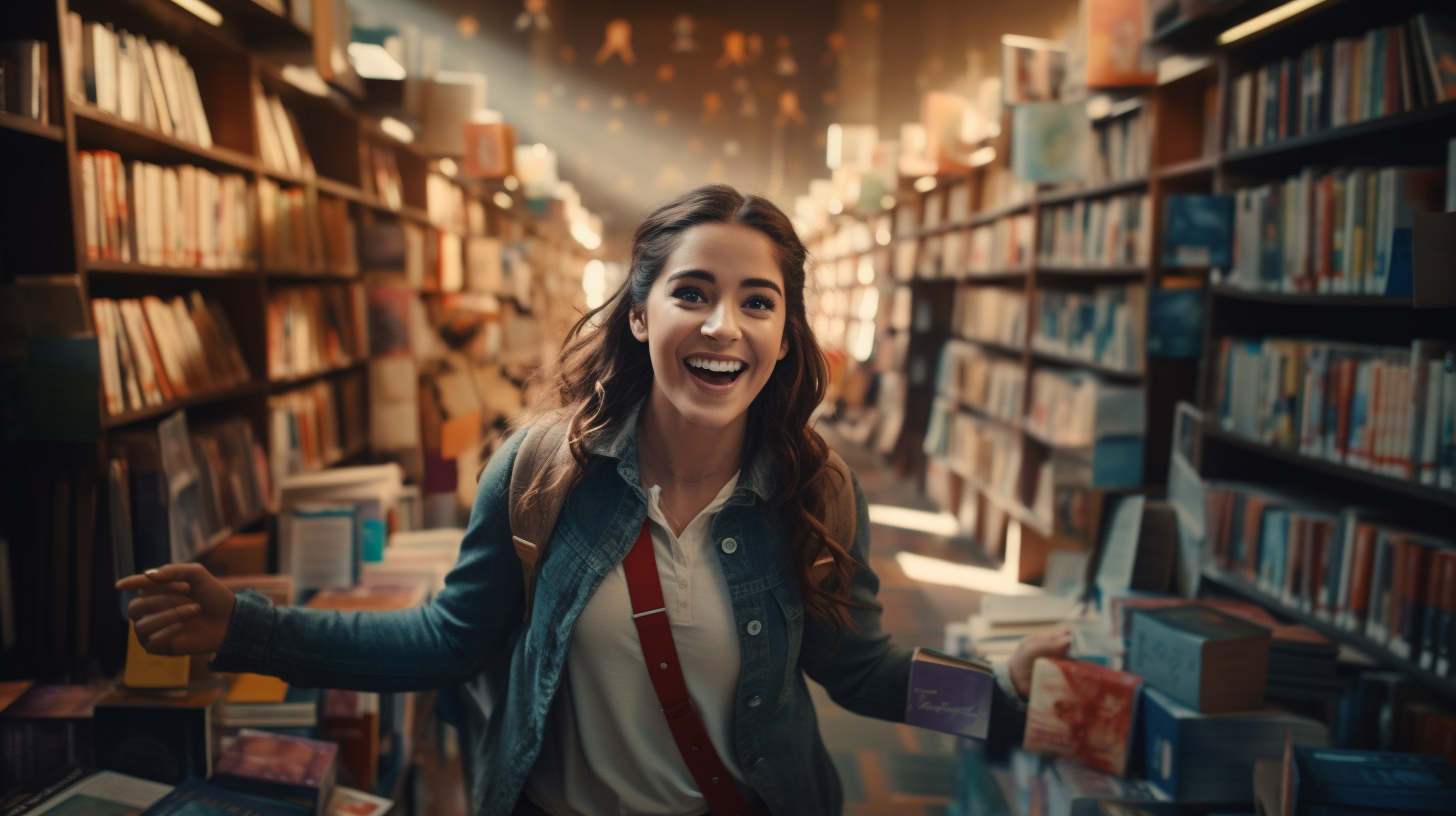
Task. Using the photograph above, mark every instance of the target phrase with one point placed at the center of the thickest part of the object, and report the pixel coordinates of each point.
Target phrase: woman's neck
(681, 453)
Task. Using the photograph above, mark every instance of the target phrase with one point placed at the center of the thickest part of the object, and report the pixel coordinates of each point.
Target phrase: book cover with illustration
(1082, 711)
(197, 797)
(949, 694)
(294, 769)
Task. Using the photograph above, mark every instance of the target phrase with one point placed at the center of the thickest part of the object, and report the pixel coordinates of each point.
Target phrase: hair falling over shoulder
(603, 372)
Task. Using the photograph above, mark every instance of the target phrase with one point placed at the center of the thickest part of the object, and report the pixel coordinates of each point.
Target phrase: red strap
(649, 612)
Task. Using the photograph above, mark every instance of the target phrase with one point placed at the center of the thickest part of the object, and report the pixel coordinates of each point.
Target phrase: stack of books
(154, 352)
(1385, 409)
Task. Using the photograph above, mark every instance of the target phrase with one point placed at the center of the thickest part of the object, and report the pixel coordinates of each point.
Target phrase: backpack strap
(841, 516)
(543, 455)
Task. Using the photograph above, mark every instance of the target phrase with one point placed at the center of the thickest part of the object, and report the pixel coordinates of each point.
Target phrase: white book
(147, 105)
(292, 157)
(165, 70)
(193, 98)
(90, 203)
(154, 87)
(127, 106)
(73, 58)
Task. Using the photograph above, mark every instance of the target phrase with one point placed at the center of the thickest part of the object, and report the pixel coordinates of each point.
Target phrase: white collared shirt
(607, 750)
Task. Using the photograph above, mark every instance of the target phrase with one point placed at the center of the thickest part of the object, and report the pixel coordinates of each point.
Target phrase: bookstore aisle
(1139, 316)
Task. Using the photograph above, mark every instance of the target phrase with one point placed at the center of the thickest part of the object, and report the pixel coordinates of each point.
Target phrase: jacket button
(754, 627)
(730, 546)
(754, 701)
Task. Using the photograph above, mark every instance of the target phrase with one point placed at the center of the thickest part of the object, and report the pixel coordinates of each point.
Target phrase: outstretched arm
(184, 610)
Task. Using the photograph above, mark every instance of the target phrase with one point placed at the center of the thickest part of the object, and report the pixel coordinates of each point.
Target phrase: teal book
(197, 797)
(1388, 781)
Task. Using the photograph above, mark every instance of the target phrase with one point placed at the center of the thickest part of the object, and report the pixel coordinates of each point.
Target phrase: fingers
(152, 604)
(177, 578)
(160, 641)
(161, 625)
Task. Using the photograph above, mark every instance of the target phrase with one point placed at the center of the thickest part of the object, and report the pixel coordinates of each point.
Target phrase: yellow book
(256, 688)
(144, 670)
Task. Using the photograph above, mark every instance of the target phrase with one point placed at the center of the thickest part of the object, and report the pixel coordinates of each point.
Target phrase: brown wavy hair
(603, 372)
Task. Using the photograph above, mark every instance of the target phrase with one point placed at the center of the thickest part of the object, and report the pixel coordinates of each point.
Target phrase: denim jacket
(479, 615)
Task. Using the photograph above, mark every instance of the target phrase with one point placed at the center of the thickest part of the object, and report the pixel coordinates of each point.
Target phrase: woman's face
(714, 323)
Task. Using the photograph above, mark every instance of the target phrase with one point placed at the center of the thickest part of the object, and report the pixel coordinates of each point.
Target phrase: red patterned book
(1083, 712)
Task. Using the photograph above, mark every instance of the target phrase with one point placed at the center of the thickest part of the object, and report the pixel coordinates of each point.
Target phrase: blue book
(1203, 658)
(1199, 230)
(1175, 323)
(1391, 782)
(197, 797)
(949, 694)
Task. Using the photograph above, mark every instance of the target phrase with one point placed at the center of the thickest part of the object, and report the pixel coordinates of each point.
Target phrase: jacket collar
(619, 442)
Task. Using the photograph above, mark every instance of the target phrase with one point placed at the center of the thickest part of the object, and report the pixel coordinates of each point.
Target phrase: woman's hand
(1051, 643)
(183, 609)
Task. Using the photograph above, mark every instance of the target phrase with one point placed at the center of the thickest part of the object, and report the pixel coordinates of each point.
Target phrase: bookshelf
(353, 181)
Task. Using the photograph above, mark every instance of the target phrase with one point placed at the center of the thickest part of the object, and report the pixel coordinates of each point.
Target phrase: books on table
(949, 694)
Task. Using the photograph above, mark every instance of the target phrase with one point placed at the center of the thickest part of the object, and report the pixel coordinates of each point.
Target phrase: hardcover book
(949, 694)
(1199, 231)
(163, 739)
(295, 770)
(1082, 711)
(196, 797)
(1388, 781)
(1214, 662)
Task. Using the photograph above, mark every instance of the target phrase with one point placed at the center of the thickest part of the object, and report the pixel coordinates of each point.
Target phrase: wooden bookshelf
(45, 234)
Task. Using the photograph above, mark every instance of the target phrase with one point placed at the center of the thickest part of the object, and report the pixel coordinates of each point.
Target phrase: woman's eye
(691, 294)
(759, 302)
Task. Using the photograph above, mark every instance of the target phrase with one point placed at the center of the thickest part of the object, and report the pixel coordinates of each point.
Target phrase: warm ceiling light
(1266, 19)
(203, 10)
(502, 200)
(924, 184)
(983, 157)
(398, 130)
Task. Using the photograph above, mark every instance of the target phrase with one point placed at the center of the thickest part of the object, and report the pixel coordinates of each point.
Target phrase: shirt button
(730, 546)
(754, 627)
(754, 701)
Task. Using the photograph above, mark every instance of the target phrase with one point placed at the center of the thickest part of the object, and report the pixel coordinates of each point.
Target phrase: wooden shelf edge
(1375, 650)
(215, 154)
(974, 220)
(1096, 368)
(1369, 127)
(1192, 167)
(1092, 271)
(991, 345)
(1311, 299)
(125, 268)
(278, 384)
(1111, 188)
(247, 389)
(32, 127)
(1410, 489)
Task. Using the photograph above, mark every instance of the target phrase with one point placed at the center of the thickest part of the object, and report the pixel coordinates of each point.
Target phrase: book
(150, 83)
(350, 802)
(197, 797)
(1048, 140)
(315, 328)
(1116, 56)
(1381, 780)
(146, 670)
(296, 770)
(1106, 327)
(351, 719)
(1099, 232)
(45, 732)
(26, 81)
(949, 694)
(1082, 711)
(102, 793)
(1212, 662)
(320, 545)
(1032, 69)
(1198, 230)
(164, 739)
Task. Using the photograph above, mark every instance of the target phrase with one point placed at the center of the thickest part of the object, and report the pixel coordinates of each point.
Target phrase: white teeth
(721, 366)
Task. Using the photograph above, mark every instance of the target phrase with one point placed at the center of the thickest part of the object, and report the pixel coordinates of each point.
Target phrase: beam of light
(1268, 18)
(207, 13)
(982, 579)
(941, 524)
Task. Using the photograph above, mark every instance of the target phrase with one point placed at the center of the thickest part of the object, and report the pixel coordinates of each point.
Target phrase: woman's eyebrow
(746, 283)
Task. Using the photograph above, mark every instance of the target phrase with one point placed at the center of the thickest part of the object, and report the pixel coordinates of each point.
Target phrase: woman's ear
(784, 347)
(637, 322)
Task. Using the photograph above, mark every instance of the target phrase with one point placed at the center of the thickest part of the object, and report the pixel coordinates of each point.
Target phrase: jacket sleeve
(433, 646)
(867, 673)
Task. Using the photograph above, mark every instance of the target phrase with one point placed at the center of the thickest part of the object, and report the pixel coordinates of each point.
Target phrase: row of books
(316, 425)
(1342, 565)
(279, 140)
(990, 314)
(975, 448)
(289, 224)
(1106, 326)
(340, 236)
(1102, 232)
(155, 351)
(1073, 409)
(180, 215)
(1004, 244)
(988, 383)
(449, 209)
(1385, 409)
(1120, 149)
(175, 491)
(149, 83)
(1389, 70)
(383, 178)
(316, 328)
(1341, 230)
(24, 64)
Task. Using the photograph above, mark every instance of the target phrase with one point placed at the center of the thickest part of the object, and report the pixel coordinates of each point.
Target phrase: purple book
(949, 694)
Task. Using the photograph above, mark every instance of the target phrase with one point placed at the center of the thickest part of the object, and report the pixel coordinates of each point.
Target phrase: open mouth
(716, 373)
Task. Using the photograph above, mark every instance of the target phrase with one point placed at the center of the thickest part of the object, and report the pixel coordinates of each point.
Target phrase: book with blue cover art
(1199, 231)
(949, 694)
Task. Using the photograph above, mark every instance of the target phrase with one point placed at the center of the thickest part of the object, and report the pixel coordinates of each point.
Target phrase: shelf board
(309, 276)
(98, 129)
(982, 414)
(124, 268)
(1312, 299)
(255, 23)
(246, 389)
(1193, 167)
(1239, 586)
(27, 125)
(1200, 33)
(973, 220)
(1074, 362)
(1093, 271)
(348, 192)
(1416, 490)
(992, 345)
(1385, 126)
(283, 175)
(993, 276)
(1112, 188)
(285, 383)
